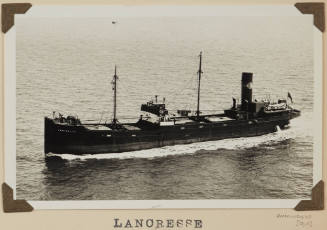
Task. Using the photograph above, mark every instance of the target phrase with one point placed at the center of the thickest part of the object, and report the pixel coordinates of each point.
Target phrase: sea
(67, 64)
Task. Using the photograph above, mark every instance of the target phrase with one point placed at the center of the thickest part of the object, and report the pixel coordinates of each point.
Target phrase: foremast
(114, 88)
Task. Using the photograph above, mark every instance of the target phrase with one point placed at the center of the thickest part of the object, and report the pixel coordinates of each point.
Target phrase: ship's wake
(299, 128)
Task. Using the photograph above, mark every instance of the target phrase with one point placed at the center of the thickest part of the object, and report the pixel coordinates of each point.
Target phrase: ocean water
(67, 65)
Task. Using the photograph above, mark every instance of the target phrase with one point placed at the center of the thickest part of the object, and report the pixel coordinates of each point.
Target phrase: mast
(199, 84)
(114, 82)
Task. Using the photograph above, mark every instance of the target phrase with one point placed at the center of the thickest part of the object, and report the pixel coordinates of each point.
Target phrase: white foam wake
(300, 127)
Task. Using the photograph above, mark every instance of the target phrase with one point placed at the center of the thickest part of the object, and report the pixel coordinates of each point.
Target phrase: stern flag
(289, 96)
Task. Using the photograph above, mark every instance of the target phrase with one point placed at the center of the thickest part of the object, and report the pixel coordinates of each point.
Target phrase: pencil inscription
(304, 221)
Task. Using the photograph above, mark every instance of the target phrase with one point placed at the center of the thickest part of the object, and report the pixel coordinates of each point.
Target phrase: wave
(299, 127)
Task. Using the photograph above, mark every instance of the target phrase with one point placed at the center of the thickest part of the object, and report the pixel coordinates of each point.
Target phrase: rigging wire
(123, 87)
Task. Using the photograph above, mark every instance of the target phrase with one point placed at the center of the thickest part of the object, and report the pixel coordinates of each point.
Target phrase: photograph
(166, 103)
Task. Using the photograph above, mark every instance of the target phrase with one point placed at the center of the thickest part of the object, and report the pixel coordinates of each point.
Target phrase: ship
(157, 127)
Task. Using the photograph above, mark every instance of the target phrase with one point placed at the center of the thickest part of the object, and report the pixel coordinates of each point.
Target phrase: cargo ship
(157, 127)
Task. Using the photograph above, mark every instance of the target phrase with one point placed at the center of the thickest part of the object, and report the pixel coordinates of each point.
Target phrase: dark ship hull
(77, 139)
(247, 119)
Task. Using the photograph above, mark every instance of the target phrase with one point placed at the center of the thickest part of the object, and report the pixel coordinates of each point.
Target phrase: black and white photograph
(165, 103)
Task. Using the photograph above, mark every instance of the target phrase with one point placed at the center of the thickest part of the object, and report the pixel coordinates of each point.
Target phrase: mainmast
(199, 84)
(114, 82)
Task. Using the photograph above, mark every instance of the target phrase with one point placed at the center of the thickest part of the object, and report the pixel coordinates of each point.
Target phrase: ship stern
(295, 113)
